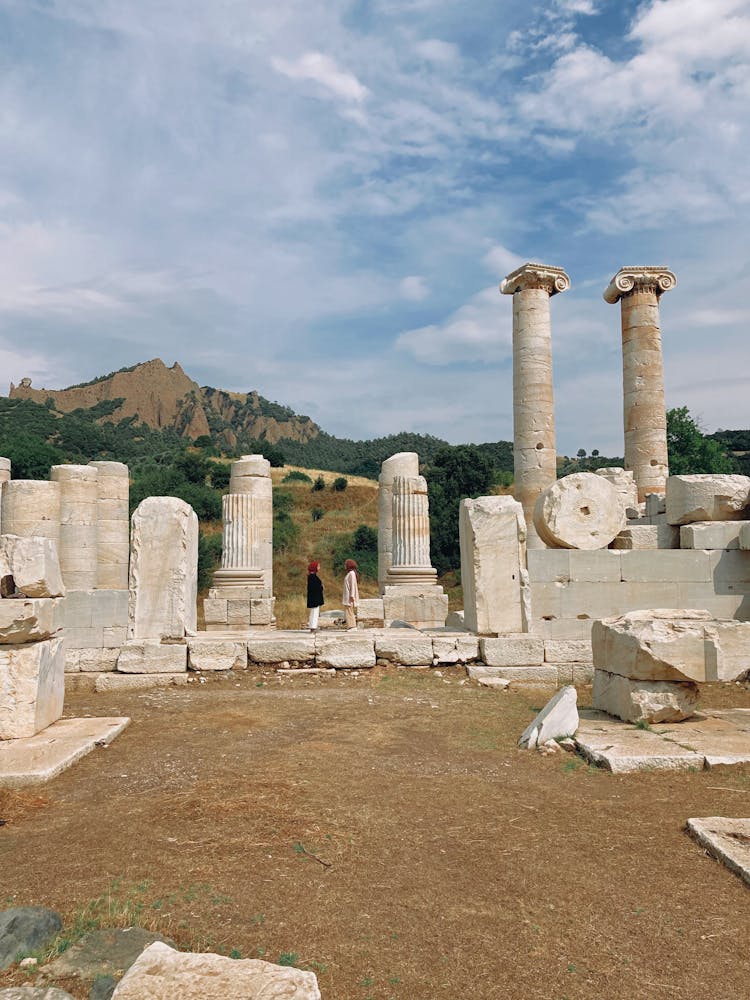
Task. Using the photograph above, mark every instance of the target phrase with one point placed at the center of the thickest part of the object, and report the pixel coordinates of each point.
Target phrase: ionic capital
(629, 279)
(551, 279)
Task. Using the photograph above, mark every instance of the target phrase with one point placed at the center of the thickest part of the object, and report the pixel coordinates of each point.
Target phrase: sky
(318, 199)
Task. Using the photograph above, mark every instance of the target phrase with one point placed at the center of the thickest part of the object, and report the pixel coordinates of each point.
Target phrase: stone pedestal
(242, 591)
(163, 570)
(405, 463)
(78, 524)
(534, 453)
(492, 532)
(411, 592)
(638, 290)
(31, 507)
(32, 687)
(113, 525)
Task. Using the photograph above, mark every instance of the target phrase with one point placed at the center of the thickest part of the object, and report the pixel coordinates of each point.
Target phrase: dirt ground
(385, 831)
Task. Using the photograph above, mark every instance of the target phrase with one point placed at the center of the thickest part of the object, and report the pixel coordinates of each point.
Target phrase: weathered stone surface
(623, 482)
(405, 463)
(512, 651)
(31, 507)
(216, 654)
(113, 525)
(30, 620)
(161, 972)
(78, 524)
(402, 647)
(671, 645)
(621, 749)
(455, 648)
(581, 511)
(643, 701)
(136, 682)
(34, 993)
(144, 656)
(39, 758)
(744, 536)
(277, 648)
(107, 952)
(95, 660)
(345, 653)
(33, 564)
(488, 676)
(647, 536)
(425, 607)
(492, 533)
(163, 569)
(539, 675)
(570, 651)
(32, 687)
(726, 839)
(558, 719)
(712, 534)
(24, 929)
(707, 498)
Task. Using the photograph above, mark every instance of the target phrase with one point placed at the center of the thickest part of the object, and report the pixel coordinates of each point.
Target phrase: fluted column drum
(78, 524)
(411, 532)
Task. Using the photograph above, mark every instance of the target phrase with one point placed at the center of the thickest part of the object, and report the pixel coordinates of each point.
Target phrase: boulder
(32, 687)
(30, 619)
(33, 564)
(558, 719)
(707, 498)
(24, 929)
(643, 701)
(671, 645)
(105, 952)
(581, 511)
(160, 972)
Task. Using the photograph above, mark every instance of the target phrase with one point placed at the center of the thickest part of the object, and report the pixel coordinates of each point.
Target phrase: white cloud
(476, 332)
(414, 288)
(436, 51)
(500, 261)
(323, 70)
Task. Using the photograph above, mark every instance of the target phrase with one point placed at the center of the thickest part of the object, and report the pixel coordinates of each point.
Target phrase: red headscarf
(313, 567)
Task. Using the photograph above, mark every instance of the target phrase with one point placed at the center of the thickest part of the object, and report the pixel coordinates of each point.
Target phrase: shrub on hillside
(295, 476)
(319, 484)
(317, 513)
(361, 545)
(340, 483)
(219, 474)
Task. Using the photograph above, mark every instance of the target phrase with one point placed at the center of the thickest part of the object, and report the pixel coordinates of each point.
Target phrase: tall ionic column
(411, 534)
(534, 453)
(405, 463)
(113, 525)
(78, 524)
(638, 290)
(4, 477)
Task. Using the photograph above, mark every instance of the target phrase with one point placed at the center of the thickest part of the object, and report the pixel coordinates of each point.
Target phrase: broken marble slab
(36, 759)
(727, 839)
(557, 720)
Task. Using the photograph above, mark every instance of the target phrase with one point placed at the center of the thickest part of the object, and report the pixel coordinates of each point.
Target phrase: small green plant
(235, 953)
(295, 476)
(366, 981)
(289, 958)
(339, 484)
(571, 765)
(318, 485)
(317, 513)
(644, 724)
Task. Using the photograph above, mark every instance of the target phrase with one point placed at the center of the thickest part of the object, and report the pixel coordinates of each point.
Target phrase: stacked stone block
(78, 524)
(31, 508)
(113, 525)
(32, 654)
(4, 477)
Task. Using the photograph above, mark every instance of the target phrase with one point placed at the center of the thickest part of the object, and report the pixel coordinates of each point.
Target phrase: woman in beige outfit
(351, 593)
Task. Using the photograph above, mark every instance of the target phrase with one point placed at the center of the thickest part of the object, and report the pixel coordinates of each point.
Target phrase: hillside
(167, 399)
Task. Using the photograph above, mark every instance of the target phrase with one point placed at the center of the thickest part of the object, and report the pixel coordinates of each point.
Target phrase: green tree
(690, 450)
(30, 456)
(457, 472)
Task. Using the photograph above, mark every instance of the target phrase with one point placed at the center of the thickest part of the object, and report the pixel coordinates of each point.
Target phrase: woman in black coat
(314, 595)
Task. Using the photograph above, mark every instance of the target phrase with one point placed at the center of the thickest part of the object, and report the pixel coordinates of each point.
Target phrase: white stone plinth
(32, 687)
(492, 533)
(163, 569)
